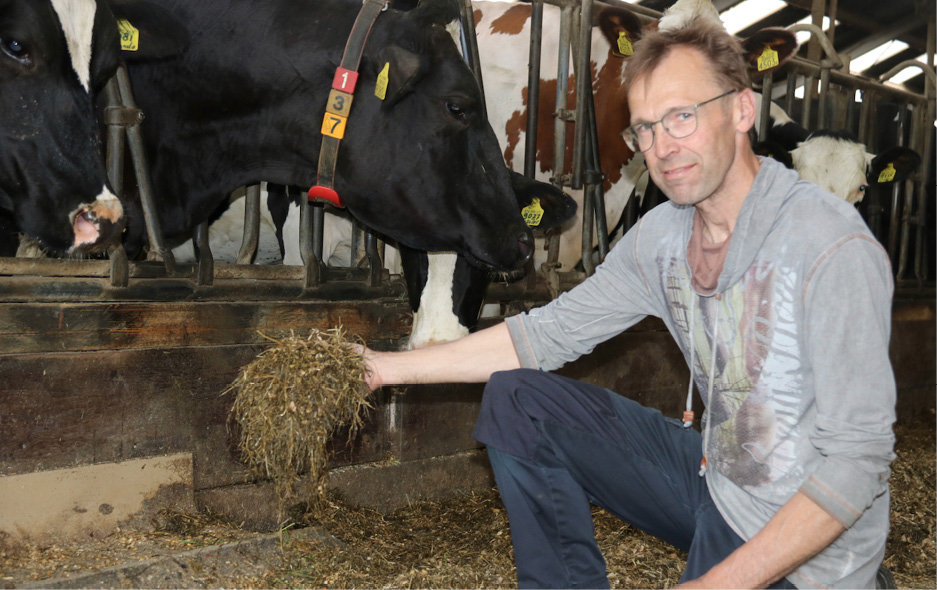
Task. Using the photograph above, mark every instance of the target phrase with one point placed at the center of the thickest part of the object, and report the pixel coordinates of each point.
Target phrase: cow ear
(769, 49)
(620, 27)
(893, 165)
(543, 205)
(433, 12)
(149, 31)
(772, 149)
(397, 70)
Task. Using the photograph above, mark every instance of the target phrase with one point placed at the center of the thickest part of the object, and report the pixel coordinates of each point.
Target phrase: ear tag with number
(624, 44)
(129, 35)
(768, 59)
(533, 213)
(380, 89)
(888, 174)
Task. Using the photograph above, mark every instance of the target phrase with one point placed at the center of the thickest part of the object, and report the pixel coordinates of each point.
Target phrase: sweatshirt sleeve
(604, 305)
(848, 313)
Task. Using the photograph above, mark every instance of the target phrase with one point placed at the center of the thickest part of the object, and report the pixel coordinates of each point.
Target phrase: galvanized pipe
(251, 234)
(533, 88)
(562, 89)
(206, 262)
(470, 48)
(311, 260)
(138, 156)
(583, 73)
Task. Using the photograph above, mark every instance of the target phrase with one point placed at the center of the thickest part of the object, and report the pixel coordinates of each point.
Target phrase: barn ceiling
(862, 26)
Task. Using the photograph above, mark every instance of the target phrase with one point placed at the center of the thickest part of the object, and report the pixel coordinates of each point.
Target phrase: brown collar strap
(339, 102)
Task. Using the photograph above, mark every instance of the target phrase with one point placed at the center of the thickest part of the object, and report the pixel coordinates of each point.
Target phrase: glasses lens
(680, 123)
(639, 138)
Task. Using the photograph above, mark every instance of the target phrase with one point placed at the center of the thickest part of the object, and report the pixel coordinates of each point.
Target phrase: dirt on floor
(460, 543)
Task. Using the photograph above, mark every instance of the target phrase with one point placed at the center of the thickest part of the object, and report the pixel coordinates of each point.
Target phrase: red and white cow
(503, 31)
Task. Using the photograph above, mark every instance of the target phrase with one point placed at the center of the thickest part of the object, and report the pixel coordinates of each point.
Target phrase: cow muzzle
(97, 223)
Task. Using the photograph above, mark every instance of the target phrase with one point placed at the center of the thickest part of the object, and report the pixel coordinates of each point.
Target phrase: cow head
(54, 55)
(443, 185)
(838, 163)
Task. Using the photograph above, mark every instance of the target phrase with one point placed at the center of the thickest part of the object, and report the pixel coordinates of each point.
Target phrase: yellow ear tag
(380, 89)
(533, 213)
(768, 59)
(624, 44)
(888, 174)
(129, 35)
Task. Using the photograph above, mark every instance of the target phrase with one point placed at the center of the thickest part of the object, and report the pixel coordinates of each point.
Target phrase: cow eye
(14, 49)
(457, 110)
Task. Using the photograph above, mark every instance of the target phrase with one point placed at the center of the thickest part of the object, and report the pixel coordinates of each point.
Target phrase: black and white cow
(245, 103)
(833, 159)
(54, 55)
(445, 291)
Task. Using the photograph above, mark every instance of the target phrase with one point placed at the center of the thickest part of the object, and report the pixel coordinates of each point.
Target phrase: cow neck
(339, 103)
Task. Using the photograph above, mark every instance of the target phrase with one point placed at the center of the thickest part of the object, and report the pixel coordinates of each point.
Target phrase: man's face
(691, 169)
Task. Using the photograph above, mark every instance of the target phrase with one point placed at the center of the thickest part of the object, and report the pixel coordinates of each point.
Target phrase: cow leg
(445, 292)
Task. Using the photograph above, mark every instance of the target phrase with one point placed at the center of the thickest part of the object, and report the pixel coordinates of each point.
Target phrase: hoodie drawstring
(688, 414)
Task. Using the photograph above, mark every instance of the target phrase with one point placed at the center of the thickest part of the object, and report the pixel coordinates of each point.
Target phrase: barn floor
(463, 543)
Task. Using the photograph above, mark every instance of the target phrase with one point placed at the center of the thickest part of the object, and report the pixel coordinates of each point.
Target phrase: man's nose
(664, 144)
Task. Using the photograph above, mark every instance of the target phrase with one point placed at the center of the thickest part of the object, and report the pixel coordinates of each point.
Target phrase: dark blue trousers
(556, 445)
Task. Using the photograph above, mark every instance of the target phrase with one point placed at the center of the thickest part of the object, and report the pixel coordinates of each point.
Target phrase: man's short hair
(722, 50)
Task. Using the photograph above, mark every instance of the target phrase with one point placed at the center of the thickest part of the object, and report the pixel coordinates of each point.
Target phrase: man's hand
(798, 531)
(371, 376)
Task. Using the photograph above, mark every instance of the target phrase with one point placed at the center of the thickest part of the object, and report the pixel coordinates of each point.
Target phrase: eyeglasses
(678, 123)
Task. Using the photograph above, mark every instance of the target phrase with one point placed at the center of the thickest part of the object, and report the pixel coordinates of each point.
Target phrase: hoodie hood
(759, 213)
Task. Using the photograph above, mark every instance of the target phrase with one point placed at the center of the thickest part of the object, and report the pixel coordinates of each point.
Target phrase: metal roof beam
(859, 20)
(879, 36)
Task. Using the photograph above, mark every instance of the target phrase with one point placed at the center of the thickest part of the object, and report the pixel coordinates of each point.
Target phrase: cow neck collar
(339, 102)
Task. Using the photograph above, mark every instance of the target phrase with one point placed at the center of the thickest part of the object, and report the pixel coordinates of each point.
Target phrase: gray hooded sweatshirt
(790, 354)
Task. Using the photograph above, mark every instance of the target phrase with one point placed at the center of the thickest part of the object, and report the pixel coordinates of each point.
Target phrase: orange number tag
(334, 125)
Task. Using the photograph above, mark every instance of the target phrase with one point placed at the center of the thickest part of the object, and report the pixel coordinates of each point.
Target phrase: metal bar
(318, 230)
(806, 115)
(583, 73)
(470, 45)
(562, 90)
(141, 170)
(115, 140)
(767, 83)
(789, 97)
(533, 88)
(596, 178)
(119, 265)
(206, 262)
(823, 94)
(311, 262)
(251, 225)
(804, 67)
(375, 266)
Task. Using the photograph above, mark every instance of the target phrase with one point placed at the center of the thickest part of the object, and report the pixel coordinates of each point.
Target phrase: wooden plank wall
(104, 381)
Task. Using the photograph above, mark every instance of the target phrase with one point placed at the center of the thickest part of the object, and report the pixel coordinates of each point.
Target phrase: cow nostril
(525, 245)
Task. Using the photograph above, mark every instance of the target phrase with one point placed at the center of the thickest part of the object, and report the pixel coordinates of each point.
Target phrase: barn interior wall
(109, 383)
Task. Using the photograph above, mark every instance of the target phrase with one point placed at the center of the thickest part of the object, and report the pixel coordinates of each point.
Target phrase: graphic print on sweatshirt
(757, 398)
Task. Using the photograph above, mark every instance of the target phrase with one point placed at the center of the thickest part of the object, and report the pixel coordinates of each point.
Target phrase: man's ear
(747, 109)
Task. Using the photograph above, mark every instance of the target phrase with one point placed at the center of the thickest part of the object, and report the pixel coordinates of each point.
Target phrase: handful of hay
(291, 399)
